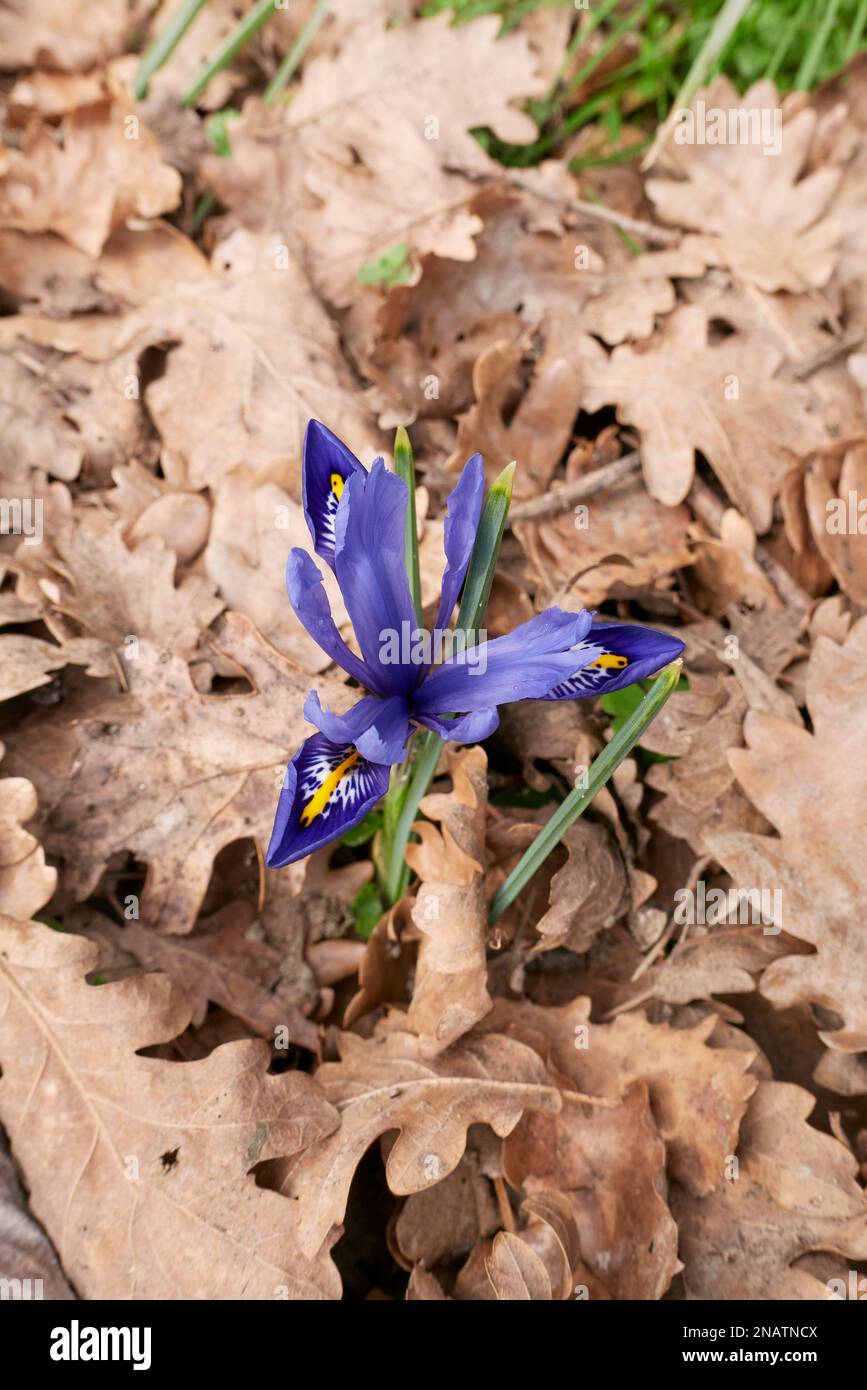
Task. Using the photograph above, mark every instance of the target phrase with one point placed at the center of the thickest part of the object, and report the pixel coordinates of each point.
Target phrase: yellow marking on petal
(317, 803)
(337, 485)
(610, 661)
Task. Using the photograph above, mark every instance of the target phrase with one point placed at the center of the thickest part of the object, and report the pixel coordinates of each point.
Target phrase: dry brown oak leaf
(839, 527)
(794, 1191)
(86, 179)
(698, 1093)
(72, 37)
(26, 882)
(610, 1163)
(761, 219)
(372, 150)
(138, 1168)
(96, 588)
(166, 772)
(383, 1083)
(248, 341)
(685, 394)
(450, 993)
(812, 787)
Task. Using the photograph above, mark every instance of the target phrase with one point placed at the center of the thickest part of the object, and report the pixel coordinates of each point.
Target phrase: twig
(648, 231)
(826, 355)
(562, 498)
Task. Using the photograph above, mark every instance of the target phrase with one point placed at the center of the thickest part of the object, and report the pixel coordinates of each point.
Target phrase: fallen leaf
(685, 394)
(810, 787)
(450, 992)
(167, 773)
(139, 1169)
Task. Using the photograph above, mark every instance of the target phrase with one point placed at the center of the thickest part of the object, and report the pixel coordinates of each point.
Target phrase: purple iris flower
(356, 519)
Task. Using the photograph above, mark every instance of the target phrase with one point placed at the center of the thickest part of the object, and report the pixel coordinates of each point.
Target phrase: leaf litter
(648, 1079)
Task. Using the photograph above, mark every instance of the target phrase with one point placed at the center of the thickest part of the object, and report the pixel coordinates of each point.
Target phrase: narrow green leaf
(580, 797)
(405, 469)
(164, 45)
(290, 63)
(242, 33)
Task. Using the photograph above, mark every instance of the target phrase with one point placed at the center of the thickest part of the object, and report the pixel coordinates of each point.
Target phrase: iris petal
(467, 728)
(463, 509)
(369, 563)
(525, 665)
(328, 788)
(327, 463)
(625, 653)
(312, 609)
(378, 728)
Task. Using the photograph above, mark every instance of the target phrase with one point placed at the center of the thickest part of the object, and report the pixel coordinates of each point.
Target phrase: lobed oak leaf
(138, 1168)
(609, 1161)
(811, 787)
(88, 181)
(354, 166)
(166, 772)
(793, 1192)
(384, 1083)
(762, 219)
(684, 394)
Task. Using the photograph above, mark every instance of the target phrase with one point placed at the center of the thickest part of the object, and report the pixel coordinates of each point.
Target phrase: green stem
(287, 68)
(428, 746)
(813, 56)
(855, 33)
(403, 465)
(243, 31)
(164, 45)
(580, 797)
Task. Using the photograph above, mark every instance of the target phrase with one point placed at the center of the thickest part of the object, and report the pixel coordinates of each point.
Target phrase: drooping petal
(328, 788)
(312, 609)
(522, 666)
(369, 563)
(327, 463)
(463, 509)
(625, 653)
(467, 728)
(378, 728)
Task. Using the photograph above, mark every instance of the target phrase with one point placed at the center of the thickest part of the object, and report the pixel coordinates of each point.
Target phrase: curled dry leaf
(383, 1083)
(610, 1163)
(793, 1191)
(26, 883)
(73, 37)
(139, 1169)
(450, 992)
(588, 894)
(167, 773)
(99, 172)
(810, 786)
(252, 345)
(839, 532)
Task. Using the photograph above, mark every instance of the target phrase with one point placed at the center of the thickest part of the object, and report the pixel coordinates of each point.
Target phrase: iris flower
(357, 522)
